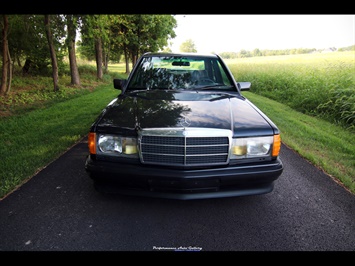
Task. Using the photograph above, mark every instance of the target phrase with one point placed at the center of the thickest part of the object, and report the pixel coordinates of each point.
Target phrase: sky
(232, 33)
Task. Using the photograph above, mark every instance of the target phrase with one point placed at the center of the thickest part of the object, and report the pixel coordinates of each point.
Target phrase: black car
(181, 129)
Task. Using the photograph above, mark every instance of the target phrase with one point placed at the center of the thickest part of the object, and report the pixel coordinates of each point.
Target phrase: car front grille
(184, 147)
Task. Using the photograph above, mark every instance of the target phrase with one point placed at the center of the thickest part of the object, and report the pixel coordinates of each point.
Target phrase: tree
(6, 66)
(244, 53)
(122, 30)
(17, 40)
(93, 32)
(145, 33)
(188, 47)
(28, 44)
(128, 35)
(31, 44)
(257, 52)
(153, 33)
(52, 51)
(72, 20)
(106, 37)
(98, 52)
(100, 40)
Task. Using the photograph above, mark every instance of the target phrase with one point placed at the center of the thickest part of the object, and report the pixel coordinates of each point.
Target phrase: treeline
(257, 52)
(41, 44)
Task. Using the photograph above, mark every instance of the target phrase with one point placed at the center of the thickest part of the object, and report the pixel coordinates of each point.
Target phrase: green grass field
(321, 85)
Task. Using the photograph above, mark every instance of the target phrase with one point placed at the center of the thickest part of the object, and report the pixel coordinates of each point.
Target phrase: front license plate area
(185, 185)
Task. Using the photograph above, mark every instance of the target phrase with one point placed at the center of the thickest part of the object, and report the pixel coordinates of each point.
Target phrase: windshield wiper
(207, 87)
(224, 96)
(216, 85)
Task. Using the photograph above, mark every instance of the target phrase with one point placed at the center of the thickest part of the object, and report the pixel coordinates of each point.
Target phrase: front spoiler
(142, 180)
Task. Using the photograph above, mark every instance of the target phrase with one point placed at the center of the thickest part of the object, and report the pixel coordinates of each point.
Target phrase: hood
(162, 109)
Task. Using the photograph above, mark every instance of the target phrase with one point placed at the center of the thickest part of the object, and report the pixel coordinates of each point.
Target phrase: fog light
(239, 150)
(130, 149)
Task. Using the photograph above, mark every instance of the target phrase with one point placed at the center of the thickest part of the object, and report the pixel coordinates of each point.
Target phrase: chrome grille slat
(185, 147)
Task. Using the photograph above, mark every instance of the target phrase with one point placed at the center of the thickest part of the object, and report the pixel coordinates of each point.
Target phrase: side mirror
(119, 84)
(244, 86)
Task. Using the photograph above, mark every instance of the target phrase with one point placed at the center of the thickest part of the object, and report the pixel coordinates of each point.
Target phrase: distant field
(321, 85)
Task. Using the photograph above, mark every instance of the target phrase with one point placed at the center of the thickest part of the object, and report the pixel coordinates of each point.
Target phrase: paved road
(59, 210)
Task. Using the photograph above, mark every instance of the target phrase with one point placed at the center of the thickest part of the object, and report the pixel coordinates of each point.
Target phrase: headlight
(251, 147)
(116, 145)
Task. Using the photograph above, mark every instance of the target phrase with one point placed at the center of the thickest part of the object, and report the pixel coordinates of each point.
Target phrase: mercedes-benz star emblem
(184, 121)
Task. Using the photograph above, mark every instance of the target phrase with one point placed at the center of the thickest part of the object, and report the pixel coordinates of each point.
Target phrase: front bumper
(184, 184)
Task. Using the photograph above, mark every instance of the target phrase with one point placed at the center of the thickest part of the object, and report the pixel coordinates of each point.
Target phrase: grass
(327, 146)
(38, 125)
(320, 85)
(32, 140)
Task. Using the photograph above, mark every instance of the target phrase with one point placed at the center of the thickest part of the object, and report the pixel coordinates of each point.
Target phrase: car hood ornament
(184, 121)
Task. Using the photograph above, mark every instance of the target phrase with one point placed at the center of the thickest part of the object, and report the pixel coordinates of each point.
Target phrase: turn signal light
(92, 142)
(276, 146)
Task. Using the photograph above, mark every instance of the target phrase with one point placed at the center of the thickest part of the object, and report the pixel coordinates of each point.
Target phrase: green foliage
(188, 46)
(257, 52)
(33, 92)
(328, 146)
(322, 85)
(147, 33)
(61, 124)
(349, 48)
(340, 105)
(94, 27)
(27, 41)
(64, 117)
(127, 34)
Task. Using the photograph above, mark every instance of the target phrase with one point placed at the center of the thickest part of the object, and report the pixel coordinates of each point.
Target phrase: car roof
(180, 54)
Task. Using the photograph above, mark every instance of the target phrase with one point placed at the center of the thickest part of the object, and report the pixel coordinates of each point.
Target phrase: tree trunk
(52, 51)
(105, 63)
(126, 56)
(18, 61)
(5, 59)
(26, 66)
(98, 52)
(9, 72)
(133, 59)
(74, 72)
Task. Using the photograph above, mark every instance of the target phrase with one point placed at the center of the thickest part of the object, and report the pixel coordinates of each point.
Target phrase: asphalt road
(59, 210)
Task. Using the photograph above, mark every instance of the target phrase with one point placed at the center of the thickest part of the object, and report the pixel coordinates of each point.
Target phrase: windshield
(180, 73)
